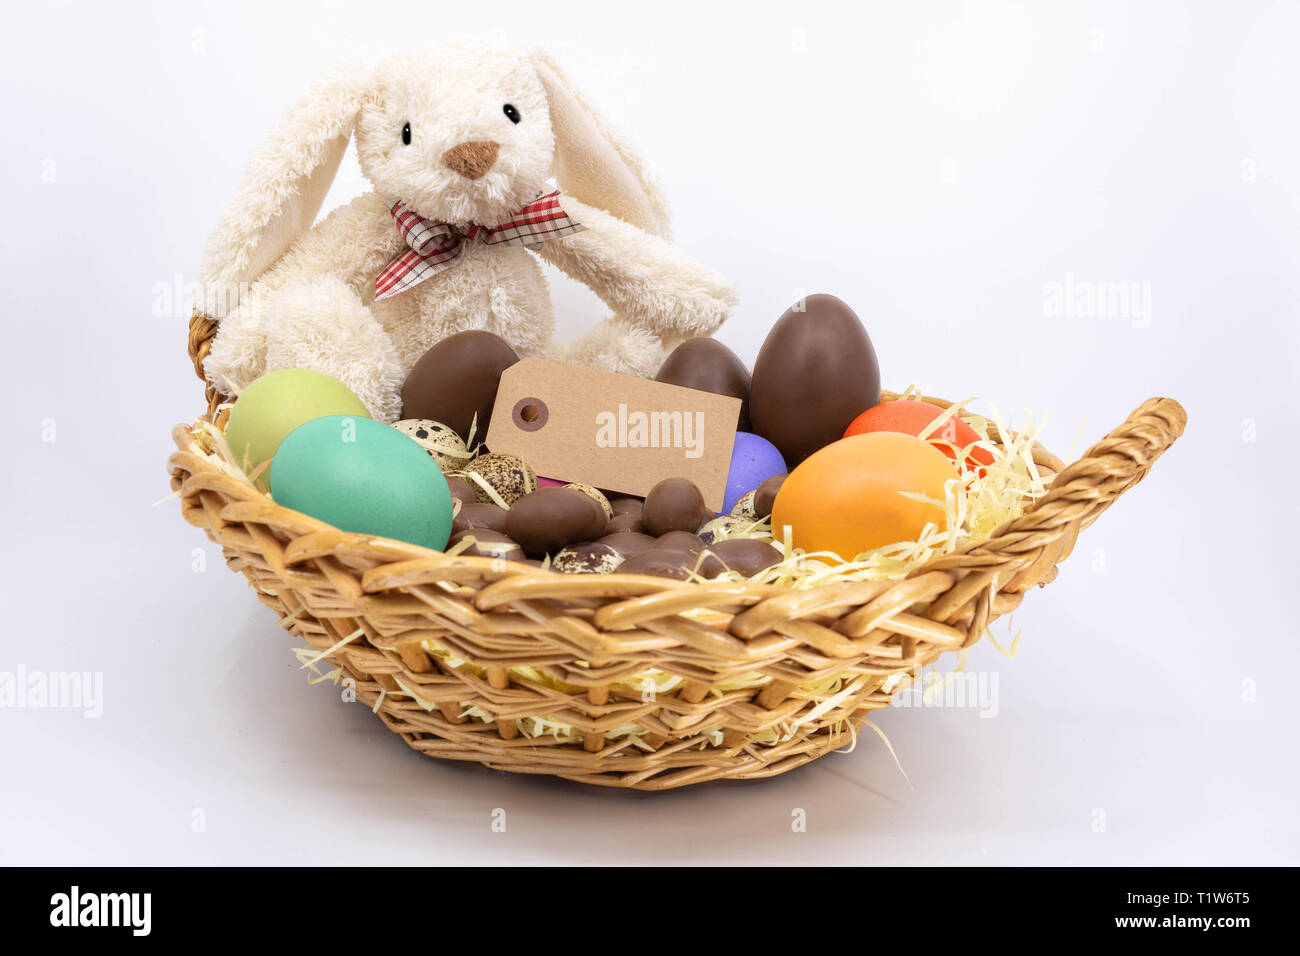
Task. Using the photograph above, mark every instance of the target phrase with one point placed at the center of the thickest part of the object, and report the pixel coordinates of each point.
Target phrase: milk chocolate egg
(457, 380)
(476, 514)
(680, 541)
(660, 562)
(486, 543)
(746, 556)
(628, 543)
(626, 506)
(625, 522)
(547, 519)
(461, 489)
(510, 477)
(765, 494)
(674, 504)
(709, 366)
(815, 373)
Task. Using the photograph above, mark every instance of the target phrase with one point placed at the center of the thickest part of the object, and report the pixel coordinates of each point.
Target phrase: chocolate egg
(476, 514)
(441, 441)
(628, 543)
(508, 476)
(625, 506)
(461, 489)
(816, 372)
(547, 519)
(660, 563)
(747, 556)
(674, 504)
(765, 494)
(587, 557)
(709, 366)
(486, 543)
(680, 541)
(624, 522)
(455, 382)
(594, 495)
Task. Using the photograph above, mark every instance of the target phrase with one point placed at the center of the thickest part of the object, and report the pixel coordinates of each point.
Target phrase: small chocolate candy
(546, 520)
(594, 495)
(456, 382)
(624, 523)
(461, 489)
(628, 543)
(765, 494)
(587, 557)
(476, 514)
(486, 543)
(660, 562)
(680, 541)
(508, 476)
(748, 556)
(675, 504)
(626, 506)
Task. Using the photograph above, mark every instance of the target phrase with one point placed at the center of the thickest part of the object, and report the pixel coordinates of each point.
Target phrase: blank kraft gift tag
(616, 432)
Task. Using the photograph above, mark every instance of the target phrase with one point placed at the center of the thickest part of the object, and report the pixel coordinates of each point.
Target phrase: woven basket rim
(203, 327)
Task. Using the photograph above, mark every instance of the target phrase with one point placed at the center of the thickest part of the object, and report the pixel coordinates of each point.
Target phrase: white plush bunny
(464, 136)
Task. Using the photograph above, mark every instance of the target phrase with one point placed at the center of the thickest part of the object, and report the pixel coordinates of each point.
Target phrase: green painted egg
(277, 403)
(361, 475)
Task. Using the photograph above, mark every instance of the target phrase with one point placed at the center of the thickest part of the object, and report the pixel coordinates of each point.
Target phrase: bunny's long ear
(594, 163)
(283, 187)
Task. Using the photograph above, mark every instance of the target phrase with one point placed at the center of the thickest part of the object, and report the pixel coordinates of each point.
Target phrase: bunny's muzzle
(471, 160)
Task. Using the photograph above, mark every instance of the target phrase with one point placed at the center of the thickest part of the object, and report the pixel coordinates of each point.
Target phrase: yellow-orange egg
(846, 497)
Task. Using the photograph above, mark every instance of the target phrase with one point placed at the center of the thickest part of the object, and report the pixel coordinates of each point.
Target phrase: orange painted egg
(847, 497)
(910, 417)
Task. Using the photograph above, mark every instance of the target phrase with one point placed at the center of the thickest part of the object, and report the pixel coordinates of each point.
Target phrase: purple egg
(753, 461)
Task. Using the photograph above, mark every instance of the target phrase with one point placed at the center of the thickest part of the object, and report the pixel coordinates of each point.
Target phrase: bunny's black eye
(512, 114)
(406, 134)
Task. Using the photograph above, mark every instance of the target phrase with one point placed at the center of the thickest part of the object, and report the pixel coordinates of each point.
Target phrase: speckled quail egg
(441, 442)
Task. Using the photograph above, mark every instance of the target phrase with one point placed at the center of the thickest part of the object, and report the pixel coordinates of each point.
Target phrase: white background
(938, 166)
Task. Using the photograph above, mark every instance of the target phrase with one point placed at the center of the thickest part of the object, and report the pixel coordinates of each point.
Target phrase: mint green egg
(360, 475)
(277, 403)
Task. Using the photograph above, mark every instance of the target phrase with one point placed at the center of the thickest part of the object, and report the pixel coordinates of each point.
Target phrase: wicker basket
(537, 644)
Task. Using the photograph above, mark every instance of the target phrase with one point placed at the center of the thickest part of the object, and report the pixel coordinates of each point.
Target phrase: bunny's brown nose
(471, 160)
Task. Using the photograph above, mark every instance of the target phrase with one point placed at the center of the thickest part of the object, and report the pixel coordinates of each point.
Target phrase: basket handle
(1109, 468)
(199, 343)
(1042, 537)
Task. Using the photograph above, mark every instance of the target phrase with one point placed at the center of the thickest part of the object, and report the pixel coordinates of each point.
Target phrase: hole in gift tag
(530, 414)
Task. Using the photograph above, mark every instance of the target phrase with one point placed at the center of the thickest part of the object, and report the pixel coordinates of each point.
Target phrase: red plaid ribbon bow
(435, 246)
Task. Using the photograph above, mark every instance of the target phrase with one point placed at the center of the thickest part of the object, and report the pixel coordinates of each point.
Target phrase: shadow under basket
(539, 672)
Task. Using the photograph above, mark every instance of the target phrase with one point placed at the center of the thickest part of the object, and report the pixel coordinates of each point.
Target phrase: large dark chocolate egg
(815, 373)
(709, 366)
(456, 380)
